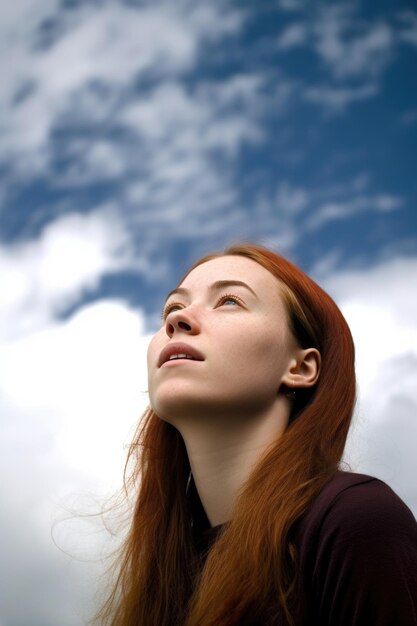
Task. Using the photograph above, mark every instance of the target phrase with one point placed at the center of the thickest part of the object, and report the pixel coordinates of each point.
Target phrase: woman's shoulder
(357, 550)
(349, 493)
(358, 506)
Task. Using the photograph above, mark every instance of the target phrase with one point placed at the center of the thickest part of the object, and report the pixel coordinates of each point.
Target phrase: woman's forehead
(231, 267)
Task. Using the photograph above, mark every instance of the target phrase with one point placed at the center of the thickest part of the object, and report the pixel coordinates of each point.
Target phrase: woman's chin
(175, 406)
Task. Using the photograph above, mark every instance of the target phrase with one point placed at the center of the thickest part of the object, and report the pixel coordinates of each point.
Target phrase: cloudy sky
(137, 136)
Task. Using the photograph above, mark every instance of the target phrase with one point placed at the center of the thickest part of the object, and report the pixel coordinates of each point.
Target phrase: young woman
(242, 513)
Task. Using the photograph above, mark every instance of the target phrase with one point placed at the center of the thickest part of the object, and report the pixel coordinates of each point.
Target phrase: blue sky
(198, 125)
(138, 136)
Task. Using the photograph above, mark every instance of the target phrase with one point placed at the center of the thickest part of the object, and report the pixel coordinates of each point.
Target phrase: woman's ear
(304, 369)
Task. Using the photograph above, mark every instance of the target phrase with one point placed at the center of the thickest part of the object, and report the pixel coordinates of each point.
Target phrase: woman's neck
(222, 458)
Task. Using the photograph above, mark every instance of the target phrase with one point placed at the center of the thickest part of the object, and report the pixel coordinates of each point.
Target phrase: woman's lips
(179, 348)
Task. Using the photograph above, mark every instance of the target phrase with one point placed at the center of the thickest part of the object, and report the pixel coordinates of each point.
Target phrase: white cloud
(70, 398)
(82, 376)
(408, 29)
(187, 138)
(112, 45)
(91, 162)
(291, 200)
(291, 5)
(387, 439)
(335, 99)
(211, 21)
(293, 36)
(381, 310)
(157, 115)
(193, 123)
(353, 51)
(42, 277)
(109, 46)
(171, 142)
(338, 210)
(326, 264)
(70, 394)
(350, 49)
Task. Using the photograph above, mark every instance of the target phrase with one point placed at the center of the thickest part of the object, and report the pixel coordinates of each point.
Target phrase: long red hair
(249, 573)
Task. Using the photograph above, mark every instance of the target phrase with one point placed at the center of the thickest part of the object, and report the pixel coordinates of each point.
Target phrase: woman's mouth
(179, 351)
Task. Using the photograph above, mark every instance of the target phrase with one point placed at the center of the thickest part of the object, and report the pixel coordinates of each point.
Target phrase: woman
(242, 515)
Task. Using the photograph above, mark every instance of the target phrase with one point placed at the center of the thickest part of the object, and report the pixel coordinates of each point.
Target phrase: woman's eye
(169, 308)
(229, 298)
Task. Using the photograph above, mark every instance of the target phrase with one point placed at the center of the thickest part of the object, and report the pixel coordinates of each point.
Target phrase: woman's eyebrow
(219, 284)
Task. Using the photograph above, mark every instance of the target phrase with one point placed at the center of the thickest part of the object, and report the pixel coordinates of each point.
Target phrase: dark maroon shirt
(357, 554)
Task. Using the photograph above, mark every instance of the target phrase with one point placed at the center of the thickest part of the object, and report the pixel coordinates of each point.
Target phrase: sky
(136, 137)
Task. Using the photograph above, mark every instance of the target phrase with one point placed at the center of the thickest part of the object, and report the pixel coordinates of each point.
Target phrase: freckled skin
(247, 345)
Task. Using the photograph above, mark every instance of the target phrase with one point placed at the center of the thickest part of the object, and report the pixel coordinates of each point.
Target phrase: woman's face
(229, 316)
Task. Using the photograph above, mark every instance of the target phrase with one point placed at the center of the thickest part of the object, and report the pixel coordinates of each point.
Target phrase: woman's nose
(181, 321)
